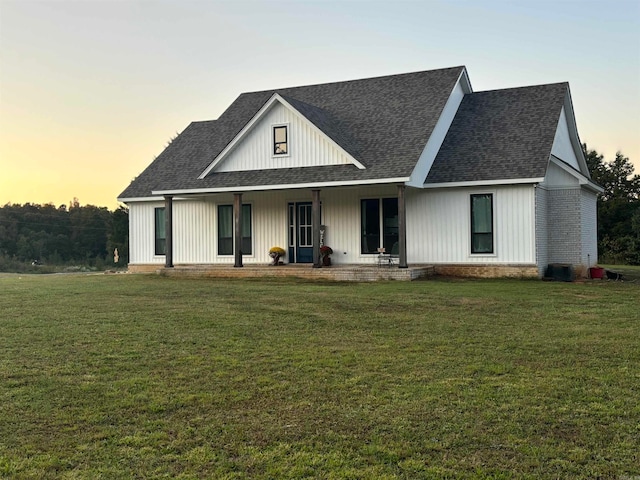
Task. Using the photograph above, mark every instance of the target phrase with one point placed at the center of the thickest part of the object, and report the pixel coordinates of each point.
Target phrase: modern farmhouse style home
(414, 165)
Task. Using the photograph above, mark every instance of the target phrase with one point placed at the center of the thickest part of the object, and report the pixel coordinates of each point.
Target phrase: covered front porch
(239, 228)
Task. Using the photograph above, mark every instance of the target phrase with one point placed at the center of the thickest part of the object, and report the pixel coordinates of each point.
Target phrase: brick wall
(144, 268)
(353, 273)
(589, 228)
(564, 208)
(488, 271)
(542, 229)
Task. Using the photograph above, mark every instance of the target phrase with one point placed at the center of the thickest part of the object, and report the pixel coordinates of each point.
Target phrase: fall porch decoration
(276, 253)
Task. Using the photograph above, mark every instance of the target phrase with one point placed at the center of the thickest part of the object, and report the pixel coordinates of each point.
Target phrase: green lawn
(125, 376)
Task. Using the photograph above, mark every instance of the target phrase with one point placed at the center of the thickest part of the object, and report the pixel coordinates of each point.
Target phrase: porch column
(402, 228)
(315, 227)
(237, 223)
(168, 230)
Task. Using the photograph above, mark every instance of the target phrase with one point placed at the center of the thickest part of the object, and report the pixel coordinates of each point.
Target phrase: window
(160, 232)
(292, 225)
(379, 225)
(280, 145)
(482, 223)
(225, 230)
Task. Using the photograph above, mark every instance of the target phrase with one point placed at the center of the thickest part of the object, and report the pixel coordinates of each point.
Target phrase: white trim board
(294, 186)
(484, 183)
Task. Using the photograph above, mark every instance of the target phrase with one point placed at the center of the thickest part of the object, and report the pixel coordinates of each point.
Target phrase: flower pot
(326, 260)
(596, 272)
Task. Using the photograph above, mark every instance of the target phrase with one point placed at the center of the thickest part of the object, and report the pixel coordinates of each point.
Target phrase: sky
(91, 91)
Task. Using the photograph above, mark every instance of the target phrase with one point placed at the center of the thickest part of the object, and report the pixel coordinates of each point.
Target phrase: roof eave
(289, 186)
(485, 183)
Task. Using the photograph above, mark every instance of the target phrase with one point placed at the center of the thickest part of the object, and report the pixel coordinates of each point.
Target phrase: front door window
(305, 228)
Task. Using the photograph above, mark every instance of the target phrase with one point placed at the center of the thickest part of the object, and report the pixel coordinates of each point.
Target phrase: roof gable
(251, 148)
(500, 135)
(567, 140)
(562, 146)
(384, 123)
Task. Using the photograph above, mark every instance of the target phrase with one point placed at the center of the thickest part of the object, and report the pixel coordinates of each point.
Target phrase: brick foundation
(144, 268)
(342, 273)
(488, 271)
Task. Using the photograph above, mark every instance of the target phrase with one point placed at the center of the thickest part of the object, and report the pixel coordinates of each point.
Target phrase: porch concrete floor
(344, 273)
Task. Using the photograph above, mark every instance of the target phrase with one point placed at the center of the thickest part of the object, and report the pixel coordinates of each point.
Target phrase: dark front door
(300, 233)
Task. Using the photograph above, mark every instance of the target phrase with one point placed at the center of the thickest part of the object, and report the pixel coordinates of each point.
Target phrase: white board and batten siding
(195, 229)
(439, 226)
(307, 147)
(142, 233)
(192, 223)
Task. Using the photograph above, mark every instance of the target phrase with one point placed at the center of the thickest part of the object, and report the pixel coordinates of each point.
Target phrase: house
(475, 183)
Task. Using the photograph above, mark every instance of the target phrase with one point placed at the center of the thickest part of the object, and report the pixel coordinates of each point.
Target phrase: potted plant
(325, 254)
(596, 272)
(276, 253)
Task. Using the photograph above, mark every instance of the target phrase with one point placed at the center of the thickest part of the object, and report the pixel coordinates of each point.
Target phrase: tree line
(618, 207)
(45, 235)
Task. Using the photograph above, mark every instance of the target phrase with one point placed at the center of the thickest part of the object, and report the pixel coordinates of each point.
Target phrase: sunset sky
(91, 91)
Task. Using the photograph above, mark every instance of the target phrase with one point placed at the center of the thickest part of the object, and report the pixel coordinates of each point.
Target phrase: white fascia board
(256, 188)
(256, 118)
(440, 130)
(594, 187)
(484, 183)
(466, 83)
(567, 168)
(573, 132)
(139, 199)
(582, 180)
(158, 198)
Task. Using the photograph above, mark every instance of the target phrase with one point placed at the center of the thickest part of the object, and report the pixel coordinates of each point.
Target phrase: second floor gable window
(280, 140)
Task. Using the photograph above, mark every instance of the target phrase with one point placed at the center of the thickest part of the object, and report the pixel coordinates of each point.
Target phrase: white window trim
(157, 256)
(493, 224)
(272, 140)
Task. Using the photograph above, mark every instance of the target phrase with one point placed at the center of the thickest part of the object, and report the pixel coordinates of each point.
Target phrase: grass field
(124, 376)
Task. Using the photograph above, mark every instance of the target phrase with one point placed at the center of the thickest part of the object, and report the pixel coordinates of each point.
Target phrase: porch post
(315, 227)
(402, 227)
(237, 223)
(168, 230)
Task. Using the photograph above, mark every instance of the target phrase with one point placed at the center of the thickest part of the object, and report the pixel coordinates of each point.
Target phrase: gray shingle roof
(500, 134)
(383, 122)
